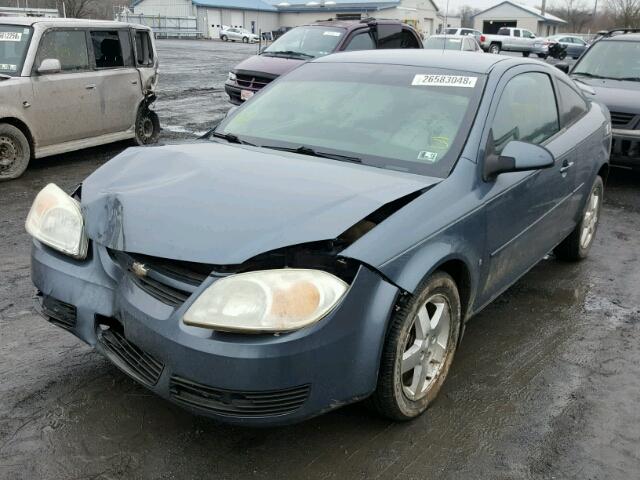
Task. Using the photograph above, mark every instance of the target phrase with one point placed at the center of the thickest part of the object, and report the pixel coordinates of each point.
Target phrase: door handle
(91, 86)
(135, 82)
(566, 166)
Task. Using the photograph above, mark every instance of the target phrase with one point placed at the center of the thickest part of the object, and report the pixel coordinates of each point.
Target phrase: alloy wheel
(426, 347)
(590, 219)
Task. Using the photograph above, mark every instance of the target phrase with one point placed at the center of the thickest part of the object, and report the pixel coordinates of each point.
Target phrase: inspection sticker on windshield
(9, 67)
(10, 36)
(445, 81)
(425, 156)
(332, 34)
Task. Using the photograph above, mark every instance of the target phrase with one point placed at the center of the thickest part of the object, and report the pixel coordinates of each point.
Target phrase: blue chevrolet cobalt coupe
(330, 240)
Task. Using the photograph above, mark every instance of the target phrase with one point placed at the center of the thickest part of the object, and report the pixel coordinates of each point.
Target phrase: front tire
(419, 349)
(15, 152)
(223, 38)
(147, 126)
(245, 40)
(577, 245)
(542, 56)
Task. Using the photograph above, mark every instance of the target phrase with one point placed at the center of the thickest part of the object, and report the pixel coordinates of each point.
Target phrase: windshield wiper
(590, 75)
(304, 150)
(231, 138)
(288, 52)
(627, 79)
(4, 77)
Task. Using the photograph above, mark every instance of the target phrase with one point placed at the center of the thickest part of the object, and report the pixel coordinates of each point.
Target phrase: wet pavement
(546, 383)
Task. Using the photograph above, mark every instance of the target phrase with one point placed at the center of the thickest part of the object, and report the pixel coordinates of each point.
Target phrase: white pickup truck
(511, 40)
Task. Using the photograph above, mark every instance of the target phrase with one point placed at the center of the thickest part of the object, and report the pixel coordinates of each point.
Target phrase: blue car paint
(496, 230)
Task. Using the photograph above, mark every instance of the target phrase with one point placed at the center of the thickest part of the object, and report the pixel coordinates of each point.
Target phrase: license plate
(246, 95)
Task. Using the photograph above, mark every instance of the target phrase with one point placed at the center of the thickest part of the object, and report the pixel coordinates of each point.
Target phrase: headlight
(55, 219)
(232, 76)
(266, 301)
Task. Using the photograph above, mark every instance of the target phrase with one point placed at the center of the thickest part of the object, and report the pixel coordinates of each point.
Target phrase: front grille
(170, 281)
(233, 403)
(625, 149)
(59, 313)
(252, 81)
(129, 357)
(622, 120)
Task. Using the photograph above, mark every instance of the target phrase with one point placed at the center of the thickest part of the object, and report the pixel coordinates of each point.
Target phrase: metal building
(510, 14)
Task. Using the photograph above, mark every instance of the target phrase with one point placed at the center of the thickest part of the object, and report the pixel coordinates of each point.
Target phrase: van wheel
(494, 48)
(147, 126)
(223, 38)
(419, 349)
(577, 245)
(245, 40)
(15, 152)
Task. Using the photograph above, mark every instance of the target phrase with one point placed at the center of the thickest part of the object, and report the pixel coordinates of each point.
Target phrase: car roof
(352, 24)
(447, 60)
(444, 35)
(72, 22)
(624, 37)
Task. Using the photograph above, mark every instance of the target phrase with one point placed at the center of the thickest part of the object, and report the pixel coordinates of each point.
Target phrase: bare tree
(625, 12)
(466, 15)
(576, 12)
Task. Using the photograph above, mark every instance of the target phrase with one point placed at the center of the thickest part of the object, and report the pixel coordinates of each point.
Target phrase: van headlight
(232, 76)
(266, 301)
(55, 220)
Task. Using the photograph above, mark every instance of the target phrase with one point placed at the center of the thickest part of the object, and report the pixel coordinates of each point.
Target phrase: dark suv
(611, 67)
(315, 40)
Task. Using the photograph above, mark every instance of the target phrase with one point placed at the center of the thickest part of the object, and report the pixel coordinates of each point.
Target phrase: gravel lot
(546, 383)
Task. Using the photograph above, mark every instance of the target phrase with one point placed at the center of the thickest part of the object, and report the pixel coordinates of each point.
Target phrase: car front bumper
(625, 148)
(243, 379)
(235, 92)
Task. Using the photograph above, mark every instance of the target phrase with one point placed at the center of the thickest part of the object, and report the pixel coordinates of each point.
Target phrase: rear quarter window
(144, 49)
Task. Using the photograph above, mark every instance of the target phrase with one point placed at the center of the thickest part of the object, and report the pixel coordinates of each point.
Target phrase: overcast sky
(454, 5)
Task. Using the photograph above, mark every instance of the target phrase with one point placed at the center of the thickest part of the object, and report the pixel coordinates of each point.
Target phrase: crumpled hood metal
(223, 204)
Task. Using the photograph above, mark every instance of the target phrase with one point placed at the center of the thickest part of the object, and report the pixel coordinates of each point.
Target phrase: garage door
(215, 22)
(237, 19)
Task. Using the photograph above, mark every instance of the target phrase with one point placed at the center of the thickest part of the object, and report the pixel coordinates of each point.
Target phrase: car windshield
(611, 59)
(308, 42)
(403, 118)
(14, 41)
(442, 43)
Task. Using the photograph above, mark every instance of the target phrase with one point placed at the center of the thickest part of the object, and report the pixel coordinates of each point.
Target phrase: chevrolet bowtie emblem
(139, 269)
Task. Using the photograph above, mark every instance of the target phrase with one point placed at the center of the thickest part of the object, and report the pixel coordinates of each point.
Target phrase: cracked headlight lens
(55, 220)
(232, 76)
(266, 301)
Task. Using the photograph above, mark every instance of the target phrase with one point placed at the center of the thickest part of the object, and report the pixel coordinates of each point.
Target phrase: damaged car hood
(222, 204)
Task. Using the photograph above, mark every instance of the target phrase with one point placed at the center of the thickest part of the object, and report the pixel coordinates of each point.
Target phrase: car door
(516, 40)
(64, 106)
(117, 80)
(526, 211)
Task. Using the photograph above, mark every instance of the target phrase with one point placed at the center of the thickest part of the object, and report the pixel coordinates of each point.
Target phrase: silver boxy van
(67, 84)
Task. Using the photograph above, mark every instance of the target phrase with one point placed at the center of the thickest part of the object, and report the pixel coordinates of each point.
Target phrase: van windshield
(306, 42)
(14, 41)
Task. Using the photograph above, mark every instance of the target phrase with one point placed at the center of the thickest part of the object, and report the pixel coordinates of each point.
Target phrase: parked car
(233, 34)
(610, 70)
(70, 84)
(575, 46)
(509, 40)
(330, 241)
(464, 43)
(303, 43)
(464, 31)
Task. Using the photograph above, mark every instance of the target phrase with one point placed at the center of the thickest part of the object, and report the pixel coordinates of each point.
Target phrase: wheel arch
(603, 172)
(20, 125)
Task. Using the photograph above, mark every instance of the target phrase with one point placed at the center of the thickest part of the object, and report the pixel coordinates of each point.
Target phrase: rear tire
(245, 40)
(494, 48)
(147, 126)
(419, 348)
(15, 152)
(577, 245)
(542, 55)
(525, 54)
(223, 38)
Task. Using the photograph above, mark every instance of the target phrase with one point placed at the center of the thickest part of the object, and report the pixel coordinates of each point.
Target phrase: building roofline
(524, 9)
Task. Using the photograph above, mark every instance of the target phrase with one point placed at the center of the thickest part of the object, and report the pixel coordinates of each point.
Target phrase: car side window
(408, 40)
(360, 41)
(107, 49)
(573, 105)
(68, 46)
(516, 33)
(527, 111)
(144, 49)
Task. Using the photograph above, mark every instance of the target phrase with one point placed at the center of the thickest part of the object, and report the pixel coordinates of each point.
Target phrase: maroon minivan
(310, 41)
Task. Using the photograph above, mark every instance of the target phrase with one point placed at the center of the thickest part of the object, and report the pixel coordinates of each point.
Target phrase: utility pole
(543, 8)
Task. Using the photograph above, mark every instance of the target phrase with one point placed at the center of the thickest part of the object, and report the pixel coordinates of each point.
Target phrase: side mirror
(563, 66)
(49, 65)
(517, 157)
